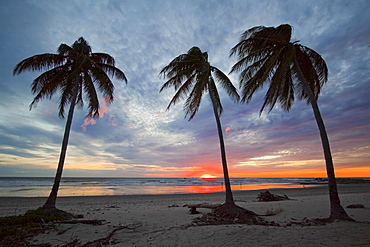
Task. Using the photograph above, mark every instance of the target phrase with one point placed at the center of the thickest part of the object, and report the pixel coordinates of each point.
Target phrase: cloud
(103, 109)
(135, 135)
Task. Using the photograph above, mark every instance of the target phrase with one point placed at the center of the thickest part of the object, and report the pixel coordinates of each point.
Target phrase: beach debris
(308, 222)
(356, 206)
(268, 197)
(91, 222)
(193, 207)
(16, 230)
(112, 206)
(74, 242)
(274, 212)
(173, 206)
(107, 240)
(228, 213)
(61, 232)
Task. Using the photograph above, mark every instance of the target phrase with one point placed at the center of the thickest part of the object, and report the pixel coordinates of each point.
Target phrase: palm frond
(318, 63)
(45, 85)
(91, 95)
(182, 67)
(113, 71)
(102, 58)
(251, 32)
(103, 82)
(66, 89)
(246, 43)
(252, 80)
(192, 103)
(286, 98)
(66, 50)
(314, 70)
(176, 82)
(182, 91)
(48, 78)
(280, 86)
(39, 62)
(226, 84)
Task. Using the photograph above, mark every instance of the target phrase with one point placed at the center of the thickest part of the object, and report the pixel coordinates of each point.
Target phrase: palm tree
(191, 75)
(192, 72)
(74, 71)
(267, 55)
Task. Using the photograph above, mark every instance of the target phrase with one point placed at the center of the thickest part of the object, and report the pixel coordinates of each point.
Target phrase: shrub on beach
(16, 229)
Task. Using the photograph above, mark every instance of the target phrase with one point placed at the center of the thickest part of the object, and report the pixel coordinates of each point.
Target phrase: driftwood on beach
(193, 207)
(91, 222)
(268, 197)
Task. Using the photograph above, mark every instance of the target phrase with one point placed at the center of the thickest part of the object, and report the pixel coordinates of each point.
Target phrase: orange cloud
(227, 129)
(104, 107)
(259, 171)
(102, 110)
(353, 172)
(111, 120)
(88, 121)
(302, 173)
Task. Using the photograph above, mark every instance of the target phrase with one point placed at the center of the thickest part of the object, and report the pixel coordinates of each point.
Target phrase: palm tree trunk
(51, 201)
(336, 209)
(229, 194)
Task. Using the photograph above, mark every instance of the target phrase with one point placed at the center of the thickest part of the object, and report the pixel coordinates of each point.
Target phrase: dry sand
(161, 220)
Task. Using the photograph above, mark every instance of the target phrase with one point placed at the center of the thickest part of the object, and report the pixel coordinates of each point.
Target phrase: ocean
(88, 186)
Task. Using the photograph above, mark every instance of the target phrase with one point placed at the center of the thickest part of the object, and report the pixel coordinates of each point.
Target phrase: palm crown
(191, 75)
(73, 66)
(266, 54)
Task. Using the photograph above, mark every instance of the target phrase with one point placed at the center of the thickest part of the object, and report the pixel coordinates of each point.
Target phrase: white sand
(157, 224)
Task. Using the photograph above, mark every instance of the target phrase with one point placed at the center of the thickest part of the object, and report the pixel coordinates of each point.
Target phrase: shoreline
(161, 220)
(299, 187)
(248, 195)
(40, 187)
(144, 190)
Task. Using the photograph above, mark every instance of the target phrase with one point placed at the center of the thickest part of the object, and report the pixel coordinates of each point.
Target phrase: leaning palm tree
(267, 55)
(191, 75)
(74, 71)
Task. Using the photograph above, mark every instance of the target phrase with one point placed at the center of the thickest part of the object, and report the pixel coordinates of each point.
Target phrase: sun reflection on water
(66, 191)
(150, 190)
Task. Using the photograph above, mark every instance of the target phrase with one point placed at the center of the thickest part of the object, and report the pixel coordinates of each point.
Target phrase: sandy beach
(161, 220)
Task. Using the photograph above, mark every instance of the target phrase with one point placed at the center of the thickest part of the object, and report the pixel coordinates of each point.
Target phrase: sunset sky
(137, 137)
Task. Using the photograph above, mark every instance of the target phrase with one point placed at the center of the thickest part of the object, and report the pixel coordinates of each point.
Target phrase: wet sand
(161, 220)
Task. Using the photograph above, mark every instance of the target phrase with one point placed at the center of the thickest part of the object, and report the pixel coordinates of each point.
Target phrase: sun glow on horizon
(206, 176)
